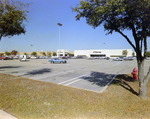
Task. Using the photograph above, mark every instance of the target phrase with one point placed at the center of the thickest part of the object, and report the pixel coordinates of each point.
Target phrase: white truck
(22, 58)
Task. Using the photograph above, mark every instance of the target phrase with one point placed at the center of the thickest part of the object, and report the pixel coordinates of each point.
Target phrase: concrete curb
(5, 115)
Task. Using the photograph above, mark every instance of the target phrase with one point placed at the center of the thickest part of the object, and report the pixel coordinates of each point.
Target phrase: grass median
(30, 99)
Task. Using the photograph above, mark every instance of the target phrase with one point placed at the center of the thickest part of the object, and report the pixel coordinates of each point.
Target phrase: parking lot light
(59, 24)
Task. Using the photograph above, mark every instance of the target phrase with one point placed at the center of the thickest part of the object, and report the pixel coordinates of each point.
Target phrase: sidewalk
(4, 115)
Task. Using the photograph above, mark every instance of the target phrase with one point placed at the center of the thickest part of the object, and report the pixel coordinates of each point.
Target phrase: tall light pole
(59, 24)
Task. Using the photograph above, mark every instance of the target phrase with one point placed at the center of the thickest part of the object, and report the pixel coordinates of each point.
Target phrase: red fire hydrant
(134, 73)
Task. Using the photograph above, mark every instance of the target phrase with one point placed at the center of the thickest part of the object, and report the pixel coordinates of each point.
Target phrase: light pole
(59, 24)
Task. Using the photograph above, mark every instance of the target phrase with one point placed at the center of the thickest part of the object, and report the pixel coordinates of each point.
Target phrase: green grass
(30, 99)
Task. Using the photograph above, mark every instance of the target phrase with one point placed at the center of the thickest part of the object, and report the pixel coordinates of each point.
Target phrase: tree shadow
(102, 79)
(39, 71)
(99, 78)
(5, 67)
(123, 80)
(8, 67)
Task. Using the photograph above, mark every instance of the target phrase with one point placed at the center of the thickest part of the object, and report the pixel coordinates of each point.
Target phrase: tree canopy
(14, 52)
(124, 52)
(12, 16)
(118, 16)
(34, 54)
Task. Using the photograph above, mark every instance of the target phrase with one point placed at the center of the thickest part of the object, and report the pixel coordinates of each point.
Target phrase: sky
(42, 31)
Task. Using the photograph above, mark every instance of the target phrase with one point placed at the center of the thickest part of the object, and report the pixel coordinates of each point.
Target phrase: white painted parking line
(78, 78)
(72, 82)
(73, 79)
(107, 84)
(116, 64)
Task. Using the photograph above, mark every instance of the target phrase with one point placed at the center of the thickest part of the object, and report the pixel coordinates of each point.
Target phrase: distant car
(117, 59)
(57, 60)
(33, 57)
(3, 58)
(129, 58)
(15, 57)
(22, 59)
(148, 58)
(107, 58)
(9, 58)
(64, 57)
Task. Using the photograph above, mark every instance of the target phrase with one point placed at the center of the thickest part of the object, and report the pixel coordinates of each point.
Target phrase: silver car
(117, 59)
(57, 60)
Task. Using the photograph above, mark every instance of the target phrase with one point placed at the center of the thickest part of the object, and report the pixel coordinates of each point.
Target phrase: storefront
(62, 52)
(102, 53)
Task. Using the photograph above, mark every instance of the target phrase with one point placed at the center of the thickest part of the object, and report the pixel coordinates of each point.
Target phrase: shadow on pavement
(99, 78)
(8, 67)
(4, 67)
(39, 71)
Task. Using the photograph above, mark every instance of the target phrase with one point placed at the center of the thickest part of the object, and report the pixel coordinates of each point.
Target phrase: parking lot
(92, 75)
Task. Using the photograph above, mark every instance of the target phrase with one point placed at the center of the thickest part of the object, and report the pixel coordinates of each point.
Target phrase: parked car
(16, 57)
(9, 58)
(148, 58)
(107, 58)
(129, 58)
(57, 60)
(117, 59)
(33, 57)
(22, 60)
(3, 58)
(64, 57)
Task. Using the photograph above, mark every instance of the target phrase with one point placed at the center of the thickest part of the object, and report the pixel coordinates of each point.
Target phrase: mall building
(102, 52)
(87, 53)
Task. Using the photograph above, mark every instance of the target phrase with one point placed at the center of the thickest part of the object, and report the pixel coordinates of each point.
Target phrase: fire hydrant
(134, 73)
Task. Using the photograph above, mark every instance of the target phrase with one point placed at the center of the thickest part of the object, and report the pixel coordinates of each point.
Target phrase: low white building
(102, 52)
(62, 52)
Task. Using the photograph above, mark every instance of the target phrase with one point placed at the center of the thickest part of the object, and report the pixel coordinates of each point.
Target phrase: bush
(148, 54)
(117, 56)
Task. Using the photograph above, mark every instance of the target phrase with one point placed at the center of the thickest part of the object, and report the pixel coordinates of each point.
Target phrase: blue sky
(42, 30)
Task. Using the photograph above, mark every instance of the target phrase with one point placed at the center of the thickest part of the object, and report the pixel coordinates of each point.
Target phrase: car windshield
(56, 59)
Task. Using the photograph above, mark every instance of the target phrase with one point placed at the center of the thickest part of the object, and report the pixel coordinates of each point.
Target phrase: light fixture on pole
(59, 24)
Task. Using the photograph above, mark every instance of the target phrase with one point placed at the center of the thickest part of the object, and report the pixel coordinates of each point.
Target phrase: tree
(148, 54)
(12, 16)
(34, 54)
(7, 53)
(54, 54)
(49, 54)
(25, 53)
(70, 54)
(133, 54)
(118, 16)
(14, 52)
(44, 53)
(124, 52)
(1, 54)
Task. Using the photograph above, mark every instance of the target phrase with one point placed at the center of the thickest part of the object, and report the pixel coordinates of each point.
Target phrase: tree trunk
(142, 82)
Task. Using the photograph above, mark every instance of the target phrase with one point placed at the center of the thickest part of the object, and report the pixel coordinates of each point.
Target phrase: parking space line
(107, 84)
(116, 64)
(72, 82)
(73, 79)
(76, 79)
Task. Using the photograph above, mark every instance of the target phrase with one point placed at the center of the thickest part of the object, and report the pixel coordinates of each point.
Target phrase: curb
(5, 115)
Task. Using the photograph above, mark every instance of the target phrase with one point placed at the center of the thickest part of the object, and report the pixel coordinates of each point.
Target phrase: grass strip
(30, 99)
